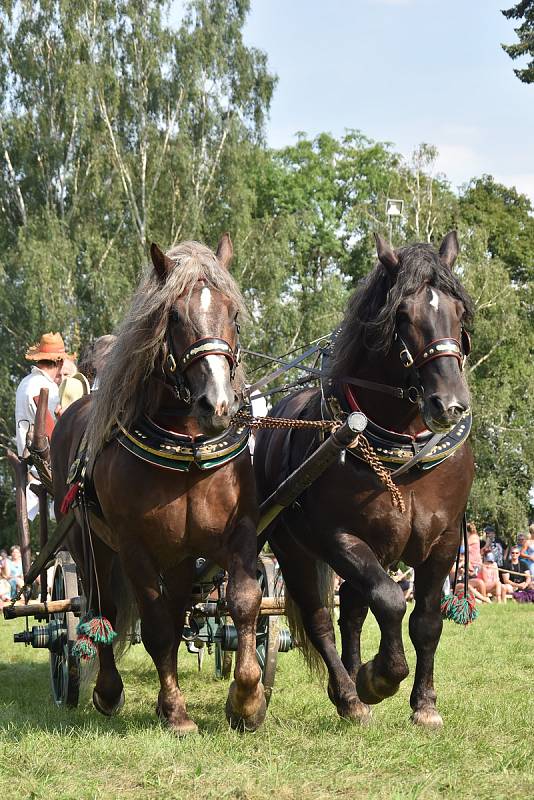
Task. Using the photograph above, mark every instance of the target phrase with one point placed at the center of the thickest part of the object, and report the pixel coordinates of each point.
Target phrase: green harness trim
(176, 451)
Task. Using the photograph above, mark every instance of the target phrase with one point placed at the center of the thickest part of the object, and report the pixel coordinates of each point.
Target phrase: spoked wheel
(267, 630)
(223, 658)
(64, 667)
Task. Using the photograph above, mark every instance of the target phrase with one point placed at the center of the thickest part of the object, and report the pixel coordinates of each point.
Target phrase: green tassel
(84, 648)
(97, 628)
(458, 607)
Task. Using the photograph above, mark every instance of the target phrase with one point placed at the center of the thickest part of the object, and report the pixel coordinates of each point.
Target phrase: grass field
(484, 678)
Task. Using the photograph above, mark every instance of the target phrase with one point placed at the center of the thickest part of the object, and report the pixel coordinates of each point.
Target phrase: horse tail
(127, 613)
(325, 588)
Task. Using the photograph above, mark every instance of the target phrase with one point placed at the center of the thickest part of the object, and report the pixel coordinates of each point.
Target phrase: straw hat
(50, 348)
(73, 388)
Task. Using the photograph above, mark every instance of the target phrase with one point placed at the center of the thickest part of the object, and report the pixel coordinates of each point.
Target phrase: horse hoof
(104, 708)
(372, 688)
(182, 729)
(246, 723)
(427, 718)
(355, 711)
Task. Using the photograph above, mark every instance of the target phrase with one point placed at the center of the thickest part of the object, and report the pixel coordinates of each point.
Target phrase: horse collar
(176, 451)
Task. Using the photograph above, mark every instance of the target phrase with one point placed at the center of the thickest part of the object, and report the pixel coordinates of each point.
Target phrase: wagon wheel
(267, 630)
(64, 667)
(223, 658)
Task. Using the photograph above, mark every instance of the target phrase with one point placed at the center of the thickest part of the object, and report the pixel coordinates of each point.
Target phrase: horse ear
(225, 250)
(449, 249)
(387, 256)
(162, 264)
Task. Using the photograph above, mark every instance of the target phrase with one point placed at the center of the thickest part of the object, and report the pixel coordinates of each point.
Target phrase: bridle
(437, 348)
(175, 368)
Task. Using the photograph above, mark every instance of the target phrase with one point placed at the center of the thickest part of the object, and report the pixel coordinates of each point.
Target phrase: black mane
(369, 322)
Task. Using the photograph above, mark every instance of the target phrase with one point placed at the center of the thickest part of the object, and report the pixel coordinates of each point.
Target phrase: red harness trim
(69, 498)
(353, 403)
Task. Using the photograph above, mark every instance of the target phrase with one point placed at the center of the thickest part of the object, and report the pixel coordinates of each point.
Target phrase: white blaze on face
(219, 378)
(205, 299)
(434, 302)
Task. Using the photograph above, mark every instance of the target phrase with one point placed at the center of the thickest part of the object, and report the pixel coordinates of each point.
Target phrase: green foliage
(523, 11)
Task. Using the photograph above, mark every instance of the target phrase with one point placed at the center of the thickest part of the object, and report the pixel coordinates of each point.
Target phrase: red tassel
(69, 498)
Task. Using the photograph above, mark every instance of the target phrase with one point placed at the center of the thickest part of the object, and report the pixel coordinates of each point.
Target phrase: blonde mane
(121, 395)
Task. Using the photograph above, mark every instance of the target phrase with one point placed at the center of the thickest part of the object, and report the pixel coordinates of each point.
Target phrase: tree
(525, 47)
(114, 129)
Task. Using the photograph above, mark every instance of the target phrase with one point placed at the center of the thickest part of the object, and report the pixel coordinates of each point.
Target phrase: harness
(176, 451)
(207, 346)
(400, 452)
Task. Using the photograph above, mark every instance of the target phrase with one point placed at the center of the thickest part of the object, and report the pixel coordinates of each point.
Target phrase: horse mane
(369, 322)
(122, 392)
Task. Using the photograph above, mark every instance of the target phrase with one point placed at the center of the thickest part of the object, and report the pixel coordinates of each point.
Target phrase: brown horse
(411, 303)
(176, 364)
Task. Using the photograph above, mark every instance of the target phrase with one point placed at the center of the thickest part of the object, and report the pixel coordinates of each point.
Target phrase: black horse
(399, 358)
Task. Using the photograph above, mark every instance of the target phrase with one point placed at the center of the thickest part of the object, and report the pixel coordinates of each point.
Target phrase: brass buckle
(171, 363)
(406, 361)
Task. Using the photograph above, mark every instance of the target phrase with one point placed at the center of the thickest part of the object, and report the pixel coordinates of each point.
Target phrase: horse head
(429, 336)
(201, 348)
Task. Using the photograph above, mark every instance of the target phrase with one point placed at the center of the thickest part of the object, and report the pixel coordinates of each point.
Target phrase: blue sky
(405, 71)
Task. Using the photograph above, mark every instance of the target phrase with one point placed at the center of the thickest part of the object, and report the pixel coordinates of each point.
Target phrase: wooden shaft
(39, 490)
(21, 481)
(73, 604)
(310, 470)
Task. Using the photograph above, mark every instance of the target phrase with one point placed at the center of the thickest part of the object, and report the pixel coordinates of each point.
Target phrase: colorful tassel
(69, 498)
(459, 608)
(92, 629)
(84, 648)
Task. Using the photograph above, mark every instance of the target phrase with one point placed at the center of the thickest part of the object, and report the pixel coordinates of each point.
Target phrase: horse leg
(108, 693)
(299, 569)
(178, 584)
(245, 706)
(354, 561)
(352, 614)
(159, 628)
(426, 624)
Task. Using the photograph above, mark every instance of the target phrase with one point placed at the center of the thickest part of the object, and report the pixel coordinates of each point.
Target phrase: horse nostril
(205, 406)
(438, 409)
(455, 410)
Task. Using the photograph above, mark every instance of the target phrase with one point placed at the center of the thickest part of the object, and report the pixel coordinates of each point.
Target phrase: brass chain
(365, 448)
(370, 457)
(280, 422)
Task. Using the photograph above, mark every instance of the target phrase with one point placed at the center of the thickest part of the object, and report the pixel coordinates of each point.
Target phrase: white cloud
(523, 182)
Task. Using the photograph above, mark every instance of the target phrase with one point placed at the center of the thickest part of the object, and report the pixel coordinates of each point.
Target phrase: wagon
(208, 627)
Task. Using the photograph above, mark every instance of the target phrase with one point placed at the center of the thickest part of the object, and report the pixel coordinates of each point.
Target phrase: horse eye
(174, 316)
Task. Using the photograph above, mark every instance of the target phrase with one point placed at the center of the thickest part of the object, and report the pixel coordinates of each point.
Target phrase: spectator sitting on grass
(513, 581)
(475, 583)
(527, 551)
(490, 575)
(14, 570)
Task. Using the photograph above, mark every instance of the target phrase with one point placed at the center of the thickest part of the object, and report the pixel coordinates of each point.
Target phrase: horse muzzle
(441, 414)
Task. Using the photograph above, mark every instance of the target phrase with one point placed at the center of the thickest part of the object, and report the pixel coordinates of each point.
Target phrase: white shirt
(25, 407)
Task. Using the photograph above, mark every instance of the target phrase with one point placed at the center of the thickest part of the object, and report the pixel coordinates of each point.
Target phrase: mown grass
(484, 680)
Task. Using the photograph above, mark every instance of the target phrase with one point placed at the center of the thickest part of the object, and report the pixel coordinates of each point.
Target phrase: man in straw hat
(48, 356)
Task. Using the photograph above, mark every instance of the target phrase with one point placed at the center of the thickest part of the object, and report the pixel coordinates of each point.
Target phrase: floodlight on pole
(394, 208)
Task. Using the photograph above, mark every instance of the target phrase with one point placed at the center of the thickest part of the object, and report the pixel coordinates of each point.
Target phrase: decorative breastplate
(395, 449)
(177, 451)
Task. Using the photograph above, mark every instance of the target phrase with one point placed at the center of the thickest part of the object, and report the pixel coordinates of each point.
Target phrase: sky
(403, 71)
